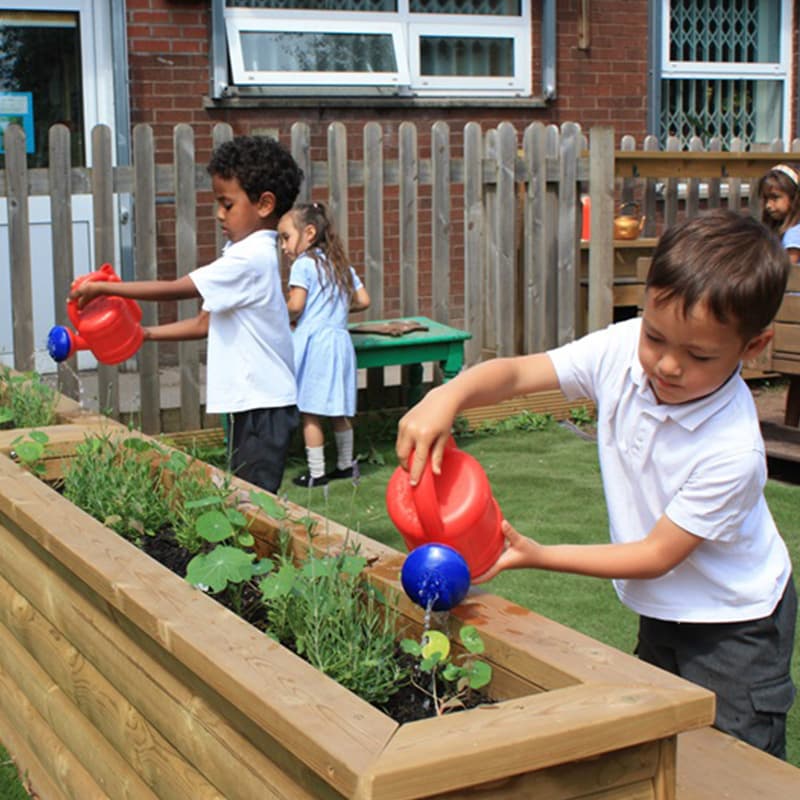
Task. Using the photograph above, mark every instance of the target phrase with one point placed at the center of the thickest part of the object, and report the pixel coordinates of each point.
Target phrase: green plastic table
(440, 343)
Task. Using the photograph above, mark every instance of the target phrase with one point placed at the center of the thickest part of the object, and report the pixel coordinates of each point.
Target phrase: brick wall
(168, 43)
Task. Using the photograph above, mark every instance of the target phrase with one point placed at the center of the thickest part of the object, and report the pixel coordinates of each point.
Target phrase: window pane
(501, 8)
(725, 31)
(749, 109)
(291, 51)
(317, 5)
(466, 56)
(40, 53)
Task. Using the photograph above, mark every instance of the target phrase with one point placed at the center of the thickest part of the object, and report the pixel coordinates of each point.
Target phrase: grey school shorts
(746, 664)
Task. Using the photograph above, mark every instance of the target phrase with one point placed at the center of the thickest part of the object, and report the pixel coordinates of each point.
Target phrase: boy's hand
(520, 551)
(424, 430)
(87, 291)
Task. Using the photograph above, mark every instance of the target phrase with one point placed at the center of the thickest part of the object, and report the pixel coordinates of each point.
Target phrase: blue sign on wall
(17, 108)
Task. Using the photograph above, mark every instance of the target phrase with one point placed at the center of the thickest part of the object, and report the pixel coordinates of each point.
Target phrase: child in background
(250, 366)
(323, 289)
(779, 192)
(694, 549)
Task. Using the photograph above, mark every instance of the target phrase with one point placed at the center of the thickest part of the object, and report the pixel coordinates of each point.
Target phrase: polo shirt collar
(687, 415)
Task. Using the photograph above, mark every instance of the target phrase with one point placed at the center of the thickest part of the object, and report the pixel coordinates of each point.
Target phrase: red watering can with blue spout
(455, 508)
(109, 326)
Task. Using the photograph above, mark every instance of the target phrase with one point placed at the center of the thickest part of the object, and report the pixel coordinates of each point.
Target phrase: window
(434, 47)
(725, 69)
(40, 79)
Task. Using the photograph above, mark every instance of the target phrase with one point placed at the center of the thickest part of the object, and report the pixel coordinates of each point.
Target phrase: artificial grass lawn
(548, 486)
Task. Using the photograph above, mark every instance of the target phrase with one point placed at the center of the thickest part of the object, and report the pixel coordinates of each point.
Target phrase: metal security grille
(723, 73)
(708, 108)
(715, 30)
(486, 7)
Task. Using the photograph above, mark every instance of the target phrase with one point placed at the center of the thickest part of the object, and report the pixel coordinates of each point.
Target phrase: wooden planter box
(119, 679)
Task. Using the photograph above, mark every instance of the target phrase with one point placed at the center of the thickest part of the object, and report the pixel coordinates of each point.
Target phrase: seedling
(433, 654)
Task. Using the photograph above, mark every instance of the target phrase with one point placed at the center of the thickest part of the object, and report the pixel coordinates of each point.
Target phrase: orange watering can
(109, 326)
(455, 508)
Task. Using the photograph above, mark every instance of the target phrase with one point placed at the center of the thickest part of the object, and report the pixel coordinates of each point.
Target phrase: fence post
(373, 217)
(58, 174)
(440, 221)
(473, 241)
(185, 262)
(103, 212)
(505, 266)
(601, 249)
(301, 152)
(337, 181)
(19, 248)
(568, 233)
(145, 264)
(650, 200)
(409, 208)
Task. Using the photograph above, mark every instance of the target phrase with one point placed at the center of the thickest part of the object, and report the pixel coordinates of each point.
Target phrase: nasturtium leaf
(245, 539)
(411, 646)
(221, 566)
(39, 436)
(352, 565)
(280, 583)
(435, 642)
(480, 674)
(236, 517)
(214, 526)
(471, 639)
(267, 504)
(263, 566)
(29, 451)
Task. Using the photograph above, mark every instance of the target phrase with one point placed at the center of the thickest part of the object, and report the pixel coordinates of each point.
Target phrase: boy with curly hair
(250, 361)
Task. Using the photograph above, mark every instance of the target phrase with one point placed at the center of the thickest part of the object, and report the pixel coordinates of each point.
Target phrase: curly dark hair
(260, 164)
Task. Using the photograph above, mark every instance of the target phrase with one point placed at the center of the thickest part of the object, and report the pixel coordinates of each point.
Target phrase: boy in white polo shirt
(250, 361)
(694, 549)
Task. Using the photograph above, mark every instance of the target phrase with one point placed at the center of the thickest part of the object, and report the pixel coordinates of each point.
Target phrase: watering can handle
(426, 501)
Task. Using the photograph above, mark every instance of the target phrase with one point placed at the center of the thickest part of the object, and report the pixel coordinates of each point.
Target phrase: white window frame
(764, 70)
(406, 29)
(238, 22)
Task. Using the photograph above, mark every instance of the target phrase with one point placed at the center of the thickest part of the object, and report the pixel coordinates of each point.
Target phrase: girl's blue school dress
(324, 357)
(791, 238)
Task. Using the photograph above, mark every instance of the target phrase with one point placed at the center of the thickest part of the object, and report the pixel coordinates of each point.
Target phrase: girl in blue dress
(779, 192)
(323, 290)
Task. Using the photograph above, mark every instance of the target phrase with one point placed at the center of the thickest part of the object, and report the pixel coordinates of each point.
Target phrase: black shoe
(338, 474)
(305, 480)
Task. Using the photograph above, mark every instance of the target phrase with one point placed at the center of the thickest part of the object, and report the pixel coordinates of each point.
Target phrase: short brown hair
(727, 260)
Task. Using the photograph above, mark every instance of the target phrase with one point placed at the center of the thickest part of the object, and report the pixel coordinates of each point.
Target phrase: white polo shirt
(250, 362)
(701, 463)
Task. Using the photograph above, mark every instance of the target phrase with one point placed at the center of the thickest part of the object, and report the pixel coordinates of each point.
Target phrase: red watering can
(455, 508)
(107, 325)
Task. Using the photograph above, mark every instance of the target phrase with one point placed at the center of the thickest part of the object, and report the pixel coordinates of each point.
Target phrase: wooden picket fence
(503, 220)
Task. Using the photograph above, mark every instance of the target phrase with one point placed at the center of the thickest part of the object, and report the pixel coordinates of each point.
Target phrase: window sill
(371, 101)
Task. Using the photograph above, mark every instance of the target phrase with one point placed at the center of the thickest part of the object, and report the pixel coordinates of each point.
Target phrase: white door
(55, 66)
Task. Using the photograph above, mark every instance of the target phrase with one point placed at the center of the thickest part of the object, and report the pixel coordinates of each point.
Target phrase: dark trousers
(746, 664)
(258, 442)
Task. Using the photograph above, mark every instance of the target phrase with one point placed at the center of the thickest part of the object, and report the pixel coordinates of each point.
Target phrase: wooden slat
(103, 207)
(373, 219)
(473, 243)
(790, 309)
(408, 215)
(601, 252)
(186, 261)
(540, 403)
(568, 234)
(61, 232)
(793, 284)
(787, 338)
(503, 263)
(145, 267)
(713, 764)
(440, 222)
(19, 249)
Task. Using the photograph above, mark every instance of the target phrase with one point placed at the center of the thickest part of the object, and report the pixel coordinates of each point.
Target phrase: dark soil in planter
(409, 703)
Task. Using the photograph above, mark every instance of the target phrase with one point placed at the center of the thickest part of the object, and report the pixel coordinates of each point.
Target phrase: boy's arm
(426, 427)
(182, 330)
(661, 550)
(181, 289)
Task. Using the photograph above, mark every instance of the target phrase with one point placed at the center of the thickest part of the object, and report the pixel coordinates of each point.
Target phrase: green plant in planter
(114, 481)
(327, 612)
(433, 656)
(25, 402)
(29, 450)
